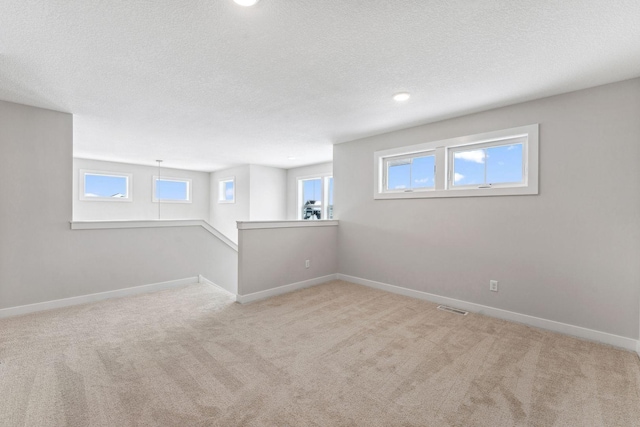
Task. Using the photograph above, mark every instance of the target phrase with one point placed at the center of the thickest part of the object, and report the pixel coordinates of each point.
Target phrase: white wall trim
(638, 348)
(563, 328)
(205, 281)
(243, 299)
(153, 223)
(219, 235)
(252, 225)
(84, 299)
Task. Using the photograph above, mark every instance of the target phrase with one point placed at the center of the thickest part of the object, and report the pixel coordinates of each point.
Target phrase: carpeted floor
(333, 355)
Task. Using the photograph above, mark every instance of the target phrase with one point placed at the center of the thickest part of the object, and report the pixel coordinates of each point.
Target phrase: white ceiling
(209, 84)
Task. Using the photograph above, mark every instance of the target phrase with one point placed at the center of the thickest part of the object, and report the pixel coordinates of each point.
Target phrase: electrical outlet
(493, 285)
(307, 264)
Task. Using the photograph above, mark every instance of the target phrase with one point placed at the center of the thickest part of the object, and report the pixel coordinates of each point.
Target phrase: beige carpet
(333, 355)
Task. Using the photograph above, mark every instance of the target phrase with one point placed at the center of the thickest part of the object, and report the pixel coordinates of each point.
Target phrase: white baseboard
(205, 281)
(243, 299)
(563, 328)
(83, 299)
(638, 348)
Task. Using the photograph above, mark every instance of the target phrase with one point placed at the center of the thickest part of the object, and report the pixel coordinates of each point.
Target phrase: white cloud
(399, 187)
(90, 195)
(476, 156)
(511, 147)
(421, 181)
(458, 177)
(229, 193)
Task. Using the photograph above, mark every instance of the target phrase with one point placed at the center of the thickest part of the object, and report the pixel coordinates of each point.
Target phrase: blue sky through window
(172, 190)
(399, 176)
(411, 173)
(422, 172)
(492, 165)
(312, 190)
(105, 186)
(228, 191)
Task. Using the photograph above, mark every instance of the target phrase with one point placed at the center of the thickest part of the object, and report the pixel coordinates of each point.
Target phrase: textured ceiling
(209, 84)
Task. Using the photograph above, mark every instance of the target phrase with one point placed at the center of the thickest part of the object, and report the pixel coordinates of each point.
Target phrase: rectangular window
(496, 163)
(105, 186)
(315, 197)
(410, 172)
(172, 190)
(312, 198)
(488, 165)
(227, 190)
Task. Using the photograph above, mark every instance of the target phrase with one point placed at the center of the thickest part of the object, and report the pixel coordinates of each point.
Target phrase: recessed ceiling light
(246, 2)
(402, 96)
(291, 158)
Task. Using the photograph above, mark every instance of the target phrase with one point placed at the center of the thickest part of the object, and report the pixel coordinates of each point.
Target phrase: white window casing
(187, 195)
(445, 151)
(86, 195)
(405, 160)
(223, 196)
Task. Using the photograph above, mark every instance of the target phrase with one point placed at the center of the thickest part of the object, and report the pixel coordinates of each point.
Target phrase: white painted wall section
(141, 207)
(268, 193)
(273, 256)
(42, 259)
(224, 215)
(568, 255)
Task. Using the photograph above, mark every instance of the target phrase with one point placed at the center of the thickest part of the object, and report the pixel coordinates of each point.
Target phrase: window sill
(105, 199)
(461, 192)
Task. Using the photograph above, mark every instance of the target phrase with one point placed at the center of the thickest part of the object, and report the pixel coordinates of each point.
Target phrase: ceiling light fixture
(401, 96)
(291, 158)
(246, 3)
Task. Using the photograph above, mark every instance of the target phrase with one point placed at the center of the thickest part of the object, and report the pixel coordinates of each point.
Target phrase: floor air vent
(453, 310)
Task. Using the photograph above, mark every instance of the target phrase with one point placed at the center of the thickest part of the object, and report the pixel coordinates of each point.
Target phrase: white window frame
(324, 192)
(385, 170)
(444, 151)
(128, 197)
(479, 146)
(221, 190)
(325, 195)
(155, 179)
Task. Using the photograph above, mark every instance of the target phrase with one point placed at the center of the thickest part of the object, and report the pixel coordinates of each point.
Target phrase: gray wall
(260, 196)
(268, 193)
(569, 254)
(141, 207)
(292, 184)
(275, 257)
(41, 259)
(224, 215)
